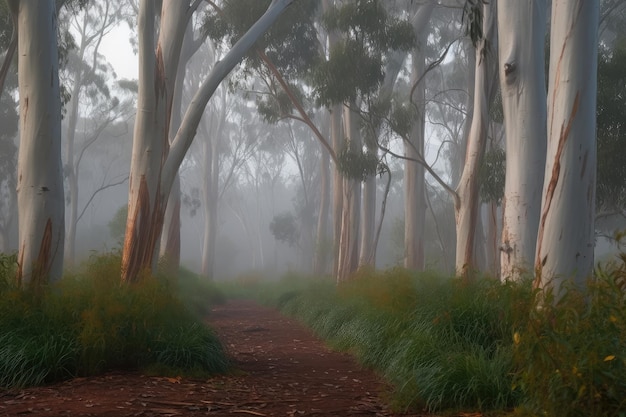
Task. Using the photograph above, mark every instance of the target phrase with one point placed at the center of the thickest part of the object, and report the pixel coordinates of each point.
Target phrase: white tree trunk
(322, 240)
(157, 76)
(467, 205)
(349, 240)
(210, 197)
(414, 178)
(367, 251)
(565, 242)
(337, 135)
(153, 170)
(40, 195)
(522, 31)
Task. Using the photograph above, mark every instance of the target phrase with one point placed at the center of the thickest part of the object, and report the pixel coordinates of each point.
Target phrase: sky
(119, 52)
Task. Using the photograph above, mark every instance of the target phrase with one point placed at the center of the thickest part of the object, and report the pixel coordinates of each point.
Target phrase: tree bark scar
(554, 179)
(137, 227)
(41, 269)
(584, 163)
(20, 266)
(159, 76)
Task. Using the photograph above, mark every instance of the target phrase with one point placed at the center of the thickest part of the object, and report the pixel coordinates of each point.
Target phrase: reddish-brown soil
(281, 370)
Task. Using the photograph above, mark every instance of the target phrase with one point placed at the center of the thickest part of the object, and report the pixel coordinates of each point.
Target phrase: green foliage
(368, 34)
(570, 355)
(90, 323)
(473, 20)
(487, 345)
(356, 164)
(492, 175)
(284, 228)
(443, 344)
(291, 43)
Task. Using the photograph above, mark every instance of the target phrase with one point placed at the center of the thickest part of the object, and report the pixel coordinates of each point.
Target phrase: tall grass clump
(90, 323)
(443, 344)
(571, 354)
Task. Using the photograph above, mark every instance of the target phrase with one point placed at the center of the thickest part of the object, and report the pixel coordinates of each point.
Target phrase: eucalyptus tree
(468, 191)
(363, 36)
(414, 179)
(88, 74)
(155, 162)
(8, 160)
(522, 31)
(39, 169)
(611, 182)
(565, 241)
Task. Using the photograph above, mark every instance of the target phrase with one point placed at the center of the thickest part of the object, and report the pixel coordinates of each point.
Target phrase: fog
(268, 166)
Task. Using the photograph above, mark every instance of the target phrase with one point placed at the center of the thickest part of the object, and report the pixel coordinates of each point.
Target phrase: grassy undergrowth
(446, 345)
(89, 323)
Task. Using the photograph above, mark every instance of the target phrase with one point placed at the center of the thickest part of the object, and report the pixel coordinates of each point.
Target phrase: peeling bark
(565, 241)
(467, 205)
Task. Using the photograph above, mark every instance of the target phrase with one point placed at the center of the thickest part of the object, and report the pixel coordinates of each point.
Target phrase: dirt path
(283, 371)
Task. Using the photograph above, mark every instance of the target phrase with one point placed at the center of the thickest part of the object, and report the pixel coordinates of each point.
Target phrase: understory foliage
(449, 345)
(571, 356)
(90, 323)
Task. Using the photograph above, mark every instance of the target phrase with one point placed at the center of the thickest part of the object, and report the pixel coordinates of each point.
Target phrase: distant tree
(611, 182)
(8, 161)
(284, 228)
(89, 76)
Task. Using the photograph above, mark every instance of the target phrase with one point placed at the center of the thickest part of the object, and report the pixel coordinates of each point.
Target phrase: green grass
(90, 323)
(484, 346)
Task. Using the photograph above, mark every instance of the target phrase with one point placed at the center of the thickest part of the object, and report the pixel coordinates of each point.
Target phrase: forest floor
(281, 369)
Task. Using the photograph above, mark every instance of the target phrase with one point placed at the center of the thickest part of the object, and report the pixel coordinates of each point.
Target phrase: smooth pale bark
(210, 197)
(522, 31)
(157, 76)
(337, 138)
(322, 240)
(169, 252)
(338, 142)
(468, 202)
(367, 251)
(565, 242)
(367, 255)
(40, 195)
(414, 174)
(351, 208)
(153, 170)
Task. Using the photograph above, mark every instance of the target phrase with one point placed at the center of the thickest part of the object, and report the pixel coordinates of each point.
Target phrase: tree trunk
(565, 241)
(414, 176)
(169, 247)
(351, 209)
(320, 262)
(153, 170)
(337, 136)
(157, 77)
(367, 251)
(210, 195)
(522, 31)
(468, 202)
(40, 195)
